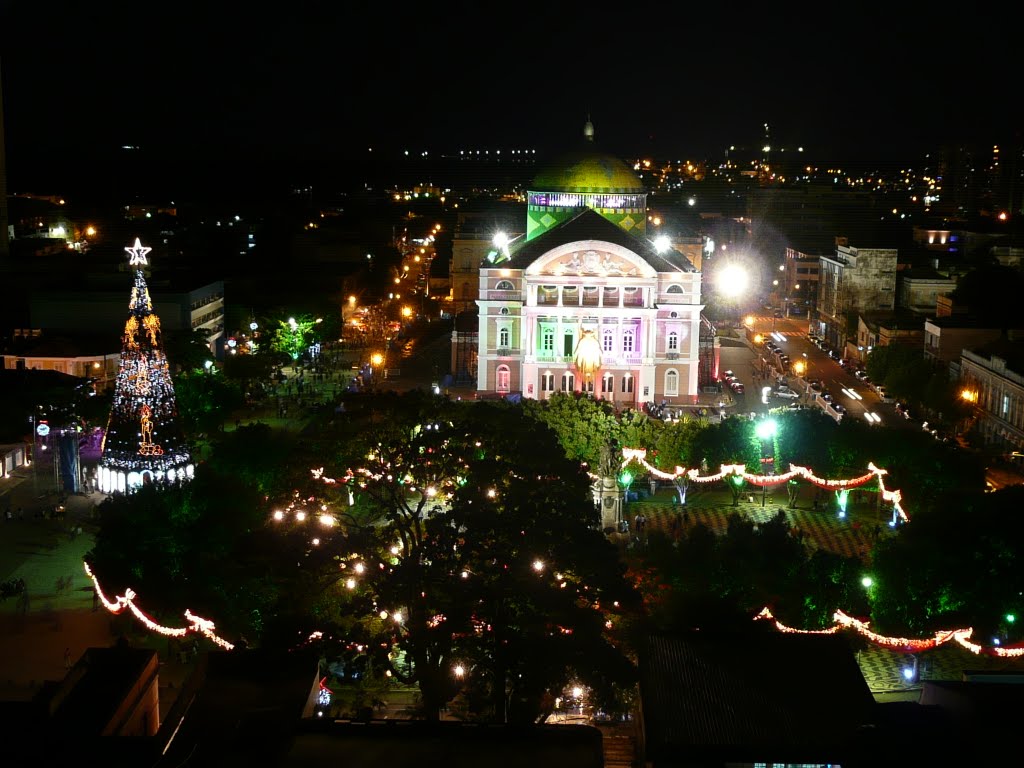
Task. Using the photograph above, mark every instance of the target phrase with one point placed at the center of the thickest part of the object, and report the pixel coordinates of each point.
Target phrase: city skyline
(221, 94)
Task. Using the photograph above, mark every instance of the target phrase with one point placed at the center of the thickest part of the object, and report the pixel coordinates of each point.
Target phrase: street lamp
(765, 430)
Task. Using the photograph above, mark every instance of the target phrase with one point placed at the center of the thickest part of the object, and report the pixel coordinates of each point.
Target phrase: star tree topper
(138, 253)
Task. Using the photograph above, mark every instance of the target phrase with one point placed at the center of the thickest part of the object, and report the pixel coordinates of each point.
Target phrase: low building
(945, 338)
(883, 329)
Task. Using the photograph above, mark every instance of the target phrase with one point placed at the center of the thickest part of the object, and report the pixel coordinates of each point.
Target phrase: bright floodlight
(500, 240)
(732, 280)
(765, 429)
(662, 243)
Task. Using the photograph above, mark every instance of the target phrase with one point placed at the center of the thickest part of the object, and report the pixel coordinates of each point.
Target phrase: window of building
(588, 384)
(627, 383)
(607, 383)
(671, 383)
(568, 382)
(673, 342)
(547, 339)
(1006, 405)
(608, 341)
(504, 310)
(467, 291)
(627, 341)
(503, 378)
(547, 382)
(503, 336)
(674, 289)
(567, 344)
(505, 285)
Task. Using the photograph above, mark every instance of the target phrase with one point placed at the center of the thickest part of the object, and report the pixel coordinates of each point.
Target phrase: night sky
(302, 87)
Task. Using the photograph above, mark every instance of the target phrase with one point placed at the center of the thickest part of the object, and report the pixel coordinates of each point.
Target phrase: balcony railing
(505, 351)
(505, 295)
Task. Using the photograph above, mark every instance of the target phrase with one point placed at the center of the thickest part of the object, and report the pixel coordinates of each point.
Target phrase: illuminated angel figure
(146, 424)
(130, 329)
(152, 325)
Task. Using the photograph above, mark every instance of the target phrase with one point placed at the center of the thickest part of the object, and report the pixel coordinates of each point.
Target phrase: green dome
(588, 170)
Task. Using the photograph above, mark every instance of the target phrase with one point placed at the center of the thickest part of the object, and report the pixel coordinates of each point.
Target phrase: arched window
(503, 336)
(505, 285)
(671, 383)
(627, 383)
(608, 341)
(627, 341)
(503, 378)
(588, 384)
(547, 382)
(674, 289)
(673, 341)
(568, 382)
(607, 383)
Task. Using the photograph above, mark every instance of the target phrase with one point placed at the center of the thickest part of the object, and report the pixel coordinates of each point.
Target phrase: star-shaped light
(138, 253)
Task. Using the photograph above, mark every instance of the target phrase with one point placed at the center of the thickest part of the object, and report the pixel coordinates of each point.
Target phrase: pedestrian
(67, 658)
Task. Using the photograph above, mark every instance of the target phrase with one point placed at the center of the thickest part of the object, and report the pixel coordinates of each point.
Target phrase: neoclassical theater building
(584, 301)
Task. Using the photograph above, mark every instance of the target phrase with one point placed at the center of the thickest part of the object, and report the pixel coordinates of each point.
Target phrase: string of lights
(795, 472)
(903, 644)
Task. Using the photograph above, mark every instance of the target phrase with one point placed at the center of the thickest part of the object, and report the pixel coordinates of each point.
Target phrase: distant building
(919, 289)
(473, 239)
(802, 277)
(853, 280)
(584, 301)
(181, 309)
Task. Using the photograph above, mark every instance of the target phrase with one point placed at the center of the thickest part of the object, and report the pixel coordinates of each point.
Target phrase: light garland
(198, 625)
(795, 472)
(902, 644)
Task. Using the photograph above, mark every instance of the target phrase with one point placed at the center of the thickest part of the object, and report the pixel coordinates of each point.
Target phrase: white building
(584, 301)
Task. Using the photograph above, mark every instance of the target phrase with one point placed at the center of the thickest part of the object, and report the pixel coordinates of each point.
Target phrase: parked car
(787, 393)
(862, 375)
(840, 409)
(737, 387)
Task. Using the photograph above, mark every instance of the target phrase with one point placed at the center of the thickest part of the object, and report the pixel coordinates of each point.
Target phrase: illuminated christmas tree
(143, 442)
